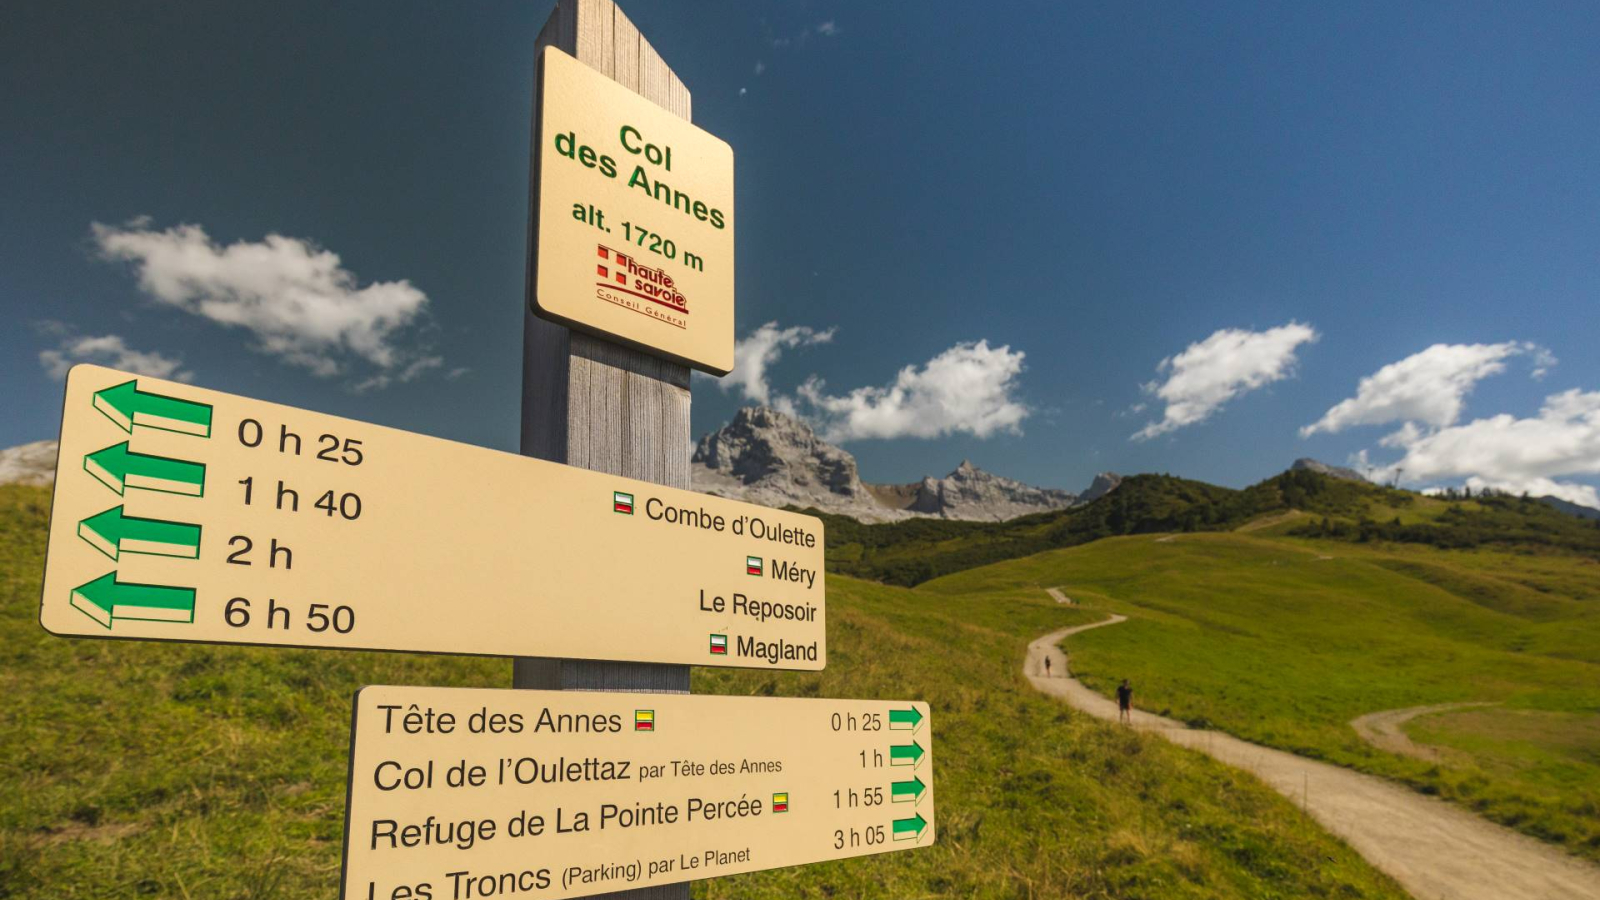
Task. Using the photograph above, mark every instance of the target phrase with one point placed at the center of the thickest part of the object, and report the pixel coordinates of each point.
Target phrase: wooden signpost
(191, 515)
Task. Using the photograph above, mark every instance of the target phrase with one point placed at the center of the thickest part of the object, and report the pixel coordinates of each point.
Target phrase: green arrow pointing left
(906, 754)
(106, 599)
(908, 829)
(119, 468)
(114, 533)
(128, 406)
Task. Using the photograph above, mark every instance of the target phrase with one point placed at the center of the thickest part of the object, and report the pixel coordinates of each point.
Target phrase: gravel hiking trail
(1436, 851)
(1383, 729)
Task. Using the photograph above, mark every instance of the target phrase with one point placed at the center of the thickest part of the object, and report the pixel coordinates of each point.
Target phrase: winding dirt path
(1383, 729)
(1436, 851)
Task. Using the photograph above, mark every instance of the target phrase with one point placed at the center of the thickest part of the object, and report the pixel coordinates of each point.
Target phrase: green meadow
(148, 770)
(1283, 640)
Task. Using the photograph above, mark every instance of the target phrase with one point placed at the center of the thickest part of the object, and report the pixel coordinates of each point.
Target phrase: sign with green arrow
(800, 782)
(906, 754)
(907, 791)
(106, 599)
(120, 469)
(113, 533)
(128, 406)
(909, 829)
(904, 719)
(294, 528)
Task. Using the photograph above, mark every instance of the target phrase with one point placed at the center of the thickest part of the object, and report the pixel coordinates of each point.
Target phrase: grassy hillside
(1284, 641)
(218, 772)
(1308, 503)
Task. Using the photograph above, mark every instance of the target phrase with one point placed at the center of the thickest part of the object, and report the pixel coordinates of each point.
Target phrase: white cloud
(830, 28)
(760, 67)
(410, 373)
(1543, 361)
(970, 388)
(757, 351)
(297, 299)
(1427, 388)
(1511, 454)
(1231, 362)
(109, 350)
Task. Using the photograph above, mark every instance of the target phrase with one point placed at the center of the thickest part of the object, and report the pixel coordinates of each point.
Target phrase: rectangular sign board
(632, 220)
(469, 792)
(191, 515)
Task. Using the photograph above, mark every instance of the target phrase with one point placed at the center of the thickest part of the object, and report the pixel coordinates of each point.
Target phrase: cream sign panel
(633, 219)
(186, 514)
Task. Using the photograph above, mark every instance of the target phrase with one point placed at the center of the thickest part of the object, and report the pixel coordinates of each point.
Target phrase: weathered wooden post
(591, 403)
(587, 402)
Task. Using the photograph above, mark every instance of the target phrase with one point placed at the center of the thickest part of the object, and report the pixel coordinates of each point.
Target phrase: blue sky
(1003, 218)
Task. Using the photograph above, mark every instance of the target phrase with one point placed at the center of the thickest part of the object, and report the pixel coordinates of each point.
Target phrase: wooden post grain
(590, 403)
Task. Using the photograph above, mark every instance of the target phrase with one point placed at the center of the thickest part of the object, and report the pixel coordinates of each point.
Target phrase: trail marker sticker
(633, 219)
(472, 792)
(191, 515)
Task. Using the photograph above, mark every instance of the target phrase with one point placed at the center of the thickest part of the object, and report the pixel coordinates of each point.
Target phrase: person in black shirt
(1125, 703)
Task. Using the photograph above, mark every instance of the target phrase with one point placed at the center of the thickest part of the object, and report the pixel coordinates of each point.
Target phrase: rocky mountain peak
(1103, 484)
(769, 457)
(763, 444)
(33, 463)
(971, 493)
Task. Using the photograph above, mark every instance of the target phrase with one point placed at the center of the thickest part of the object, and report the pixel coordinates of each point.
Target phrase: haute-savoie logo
(650, 292)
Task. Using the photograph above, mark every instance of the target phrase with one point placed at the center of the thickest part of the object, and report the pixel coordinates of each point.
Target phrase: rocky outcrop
(1103, 484)
(1322, 468)
(33, 463)
(768, 457)
(971, 493)
(764, 456)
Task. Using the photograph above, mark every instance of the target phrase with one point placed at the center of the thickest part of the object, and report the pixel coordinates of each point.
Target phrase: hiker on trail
(1125, 703)
(1047, 667)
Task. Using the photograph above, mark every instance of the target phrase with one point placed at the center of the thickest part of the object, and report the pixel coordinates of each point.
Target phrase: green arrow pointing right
(909, 829)
(128, 406)
(907, 791)
(119, 468)
(113, 534)
(906, 754)
(905, 719)
(106, 599)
